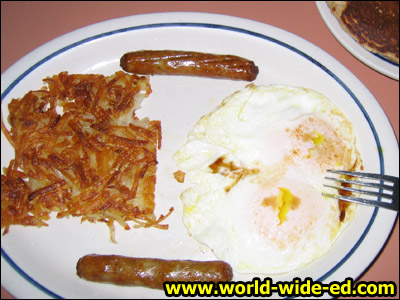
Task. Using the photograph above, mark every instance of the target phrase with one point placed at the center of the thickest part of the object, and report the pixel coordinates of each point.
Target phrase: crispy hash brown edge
(95, 160)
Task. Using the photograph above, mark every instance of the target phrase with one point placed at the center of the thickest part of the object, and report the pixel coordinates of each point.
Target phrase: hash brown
(95, 160)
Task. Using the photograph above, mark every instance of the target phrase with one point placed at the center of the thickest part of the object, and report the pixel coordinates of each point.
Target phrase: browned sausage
(149, 272)
(172, 62)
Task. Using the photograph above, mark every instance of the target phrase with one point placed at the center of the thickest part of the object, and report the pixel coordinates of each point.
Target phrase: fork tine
(392, 206)
(365, 175)
(382, 183)
(362, 183)
(361, 191)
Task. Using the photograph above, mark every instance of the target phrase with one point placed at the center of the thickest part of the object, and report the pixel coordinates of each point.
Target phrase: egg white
(259, 142)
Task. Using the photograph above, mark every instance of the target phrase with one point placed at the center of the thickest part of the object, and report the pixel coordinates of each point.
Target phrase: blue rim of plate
(208, 26)
(384, 59)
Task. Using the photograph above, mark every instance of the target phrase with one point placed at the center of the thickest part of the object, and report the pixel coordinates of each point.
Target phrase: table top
(27, 25)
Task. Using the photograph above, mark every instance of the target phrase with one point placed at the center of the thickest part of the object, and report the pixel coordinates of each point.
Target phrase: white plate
(370, 59)
(41, 262)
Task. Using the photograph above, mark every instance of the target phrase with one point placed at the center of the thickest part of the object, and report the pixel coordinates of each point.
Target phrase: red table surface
(27, 25)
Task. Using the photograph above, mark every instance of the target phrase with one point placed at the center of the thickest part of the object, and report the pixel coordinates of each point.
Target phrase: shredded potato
(95, 160)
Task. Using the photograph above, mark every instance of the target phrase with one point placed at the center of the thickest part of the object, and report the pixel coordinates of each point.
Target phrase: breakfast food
(149, 272)
(373, 24)
(173, 62)
(254, 168)
(95, 159)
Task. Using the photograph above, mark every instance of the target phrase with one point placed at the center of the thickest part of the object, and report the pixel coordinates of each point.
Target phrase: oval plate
(40, 262)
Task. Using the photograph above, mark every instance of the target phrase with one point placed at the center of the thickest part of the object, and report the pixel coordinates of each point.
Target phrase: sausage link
(172, 62)
(149, 272)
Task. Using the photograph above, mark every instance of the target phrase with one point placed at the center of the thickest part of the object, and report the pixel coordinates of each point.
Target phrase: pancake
(373, 24)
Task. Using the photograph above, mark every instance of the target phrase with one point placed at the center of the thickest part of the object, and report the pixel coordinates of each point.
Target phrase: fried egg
(255, 168)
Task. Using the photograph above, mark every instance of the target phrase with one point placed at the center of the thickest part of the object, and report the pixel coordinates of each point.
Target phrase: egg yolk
(284, 202)
(319, 139)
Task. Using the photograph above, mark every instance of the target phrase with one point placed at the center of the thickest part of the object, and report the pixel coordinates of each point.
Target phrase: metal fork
(379, 186)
